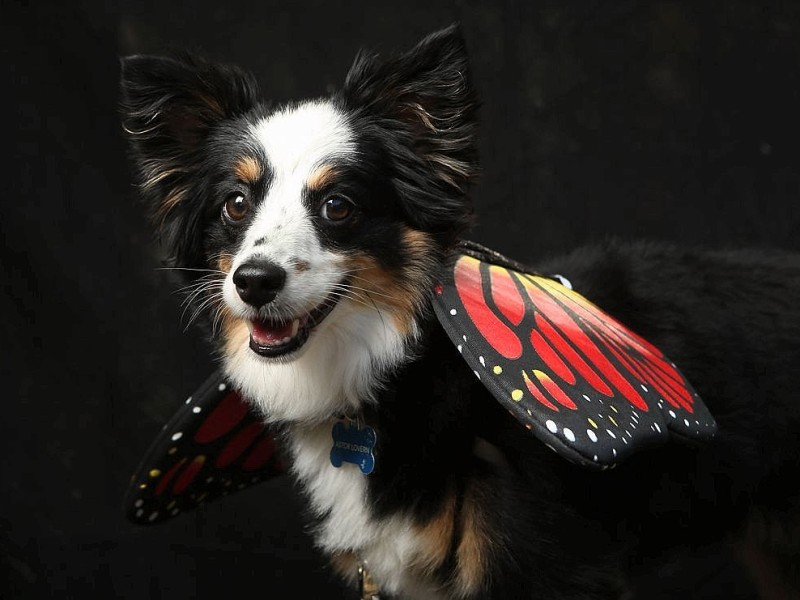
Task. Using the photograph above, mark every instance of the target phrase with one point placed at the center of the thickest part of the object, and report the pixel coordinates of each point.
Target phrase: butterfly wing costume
(582, 382)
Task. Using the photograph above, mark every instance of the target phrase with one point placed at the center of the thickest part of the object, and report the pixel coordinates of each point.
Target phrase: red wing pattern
(215, 444)
(587, 386)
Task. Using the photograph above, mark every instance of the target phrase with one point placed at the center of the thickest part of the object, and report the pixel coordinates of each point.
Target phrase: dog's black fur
(542, 527)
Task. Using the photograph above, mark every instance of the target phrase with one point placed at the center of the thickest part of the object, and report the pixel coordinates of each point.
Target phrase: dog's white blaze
(296, 141)
(298, 137)
(388, 546)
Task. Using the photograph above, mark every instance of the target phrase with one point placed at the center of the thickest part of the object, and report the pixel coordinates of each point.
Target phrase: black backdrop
(666, 120)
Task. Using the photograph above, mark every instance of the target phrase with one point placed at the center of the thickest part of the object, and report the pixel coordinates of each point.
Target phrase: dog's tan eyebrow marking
(321, 177)
(301, 265)
(248, 169)
(225, 262)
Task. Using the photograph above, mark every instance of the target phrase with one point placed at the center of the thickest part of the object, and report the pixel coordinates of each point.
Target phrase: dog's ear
(425, 101)
(169, 106)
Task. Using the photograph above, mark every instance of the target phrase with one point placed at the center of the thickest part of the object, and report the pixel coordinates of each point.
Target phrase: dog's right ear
(169, 107)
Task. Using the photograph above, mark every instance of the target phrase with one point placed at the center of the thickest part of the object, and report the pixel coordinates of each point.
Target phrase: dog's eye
(236, 207)
(337, 208)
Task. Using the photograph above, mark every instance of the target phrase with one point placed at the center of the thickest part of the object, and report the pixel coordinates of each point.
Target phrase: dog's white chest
(338, 496)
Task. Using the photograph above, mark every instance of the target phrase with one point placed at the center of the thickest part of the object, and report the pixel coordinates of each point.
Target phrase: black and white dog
(314, 233)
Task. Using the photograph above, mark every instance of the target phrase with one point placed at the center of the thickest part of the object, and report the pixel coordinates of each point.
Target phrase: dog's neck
(426, 418)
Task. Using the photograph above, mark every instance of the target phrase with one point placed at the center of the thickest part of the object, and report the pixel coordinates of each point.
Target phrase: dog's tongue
(273, 333)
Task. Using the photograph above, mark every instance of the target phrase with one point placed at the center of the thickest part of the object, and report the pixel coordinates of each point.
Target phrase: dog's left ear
(424, 102)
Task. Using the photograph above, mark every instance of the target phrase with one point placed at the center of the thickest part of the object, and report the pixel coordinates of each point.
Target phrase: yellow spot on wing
(592, 423)
(516, 395)
(497, 369)
(610, 418)
(542, 376)
(614, 408)
(154, 472)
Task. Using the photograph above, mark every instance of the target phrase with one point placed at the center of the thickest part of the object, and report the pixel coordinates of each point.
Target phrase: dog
(314, 233)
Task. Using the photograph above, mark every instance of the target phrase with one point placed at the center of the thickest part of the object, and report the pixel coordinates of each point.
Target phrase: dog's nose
(257, 283)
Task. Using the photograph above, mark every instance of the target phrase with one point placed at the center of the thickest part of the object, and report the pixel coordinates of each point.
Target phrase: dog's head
(314, 230)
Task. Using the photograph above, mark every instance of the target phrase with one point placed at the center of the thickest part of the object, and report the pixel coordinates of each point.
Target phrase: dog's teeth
(295, 327)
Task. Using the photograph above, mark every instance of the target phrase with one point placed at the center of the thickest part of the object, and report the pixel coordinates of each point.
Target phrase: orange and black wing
(582, 382)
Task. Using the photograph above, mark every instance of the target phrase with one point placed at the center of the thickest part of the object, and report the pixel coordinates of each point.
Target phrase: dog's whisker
(199, 310)
(364, 280)
(217, 317)
(199, 291)
(370, 291)
(200, 284)
(355, 293)
(359, 300)
(191, 270)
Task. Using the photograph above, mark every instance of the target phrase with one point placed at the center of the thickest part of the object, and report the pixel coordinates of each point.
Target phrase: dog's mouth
(279, 337)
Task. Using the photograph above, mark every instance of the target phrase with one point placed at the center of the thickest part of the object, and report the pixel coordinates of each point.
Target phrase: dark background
(665, 120)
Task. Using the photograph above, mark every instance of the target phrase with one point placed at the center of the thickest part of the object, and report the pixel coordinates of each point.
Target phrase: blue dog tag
(354, 445)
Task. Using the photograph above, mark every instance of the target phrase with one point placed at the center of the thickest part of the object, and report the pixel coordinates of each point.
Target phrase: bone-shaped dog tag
(354, 445)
